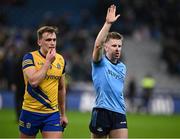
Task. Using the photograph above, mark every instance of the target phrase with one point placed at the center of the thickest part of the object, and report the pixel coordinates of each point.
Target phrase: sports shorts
(103, 121)
(31, 122)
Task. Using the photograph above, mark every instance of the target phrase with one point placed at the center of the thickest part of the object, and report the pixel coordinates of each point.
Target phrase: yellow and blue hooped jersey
(44, 98)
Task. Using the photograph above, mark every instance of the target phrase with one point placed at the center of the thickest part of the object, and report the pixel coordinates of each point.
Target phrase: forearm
(98, 46)
(39, 75)
(103, 34)
(62, 101)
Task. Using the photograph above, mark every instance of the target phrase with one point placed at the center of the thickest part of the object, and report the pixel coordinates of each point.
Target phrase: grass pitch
(140, 126)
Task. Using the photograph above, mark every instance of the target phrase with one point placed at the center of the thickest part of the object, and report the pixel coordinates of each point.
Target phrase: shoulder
(61, 61)
(28, 56)
(27, 60)
(60, 58)
(122, 66)
(100, 62)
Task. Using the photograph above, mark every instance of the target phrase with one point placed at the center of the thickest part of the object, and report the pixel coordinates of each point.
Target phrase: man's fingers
(111, 8)
(50, 50)
(64, 124)
(118, 16)
(54, 51)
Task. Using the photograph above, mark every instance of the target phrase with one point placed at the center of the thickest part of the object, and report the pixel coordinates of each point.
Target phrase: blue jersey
(108, 80)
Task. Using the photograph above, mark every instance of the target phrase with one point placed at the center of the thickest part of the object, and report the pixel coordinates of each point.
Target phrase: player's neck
(112, 60)
(43, 53)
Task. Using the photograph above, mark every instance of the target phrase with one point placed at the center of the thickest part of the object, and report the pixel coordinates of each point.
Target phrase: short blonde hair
(114, 35)
(44, 29)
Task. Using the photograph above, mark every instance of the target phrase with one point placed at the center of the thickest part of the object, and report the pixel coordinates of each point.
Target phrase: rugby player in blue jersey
(108, 73)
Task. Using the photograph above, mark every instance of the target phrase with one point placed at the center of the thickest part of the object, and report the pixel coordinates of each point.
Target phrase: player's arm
(35, 76)
(62, 100)
(98, 46)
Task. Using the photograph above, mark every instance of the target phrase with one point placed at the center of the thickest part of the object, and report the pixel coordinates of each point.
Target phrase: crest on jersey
(58, 66)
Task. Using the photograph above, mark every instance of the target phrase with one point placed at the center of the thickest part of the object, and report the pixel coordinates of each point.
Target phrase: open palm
(111, 14)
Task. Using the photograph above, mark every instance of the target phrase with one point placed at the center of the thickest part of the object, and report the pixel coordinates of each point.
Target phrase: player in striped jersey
(44, 100)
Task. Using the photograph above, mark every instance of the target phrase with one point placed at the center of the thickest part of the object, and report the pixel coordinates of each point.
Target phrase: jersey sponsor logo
(52, 77)
(113, 74)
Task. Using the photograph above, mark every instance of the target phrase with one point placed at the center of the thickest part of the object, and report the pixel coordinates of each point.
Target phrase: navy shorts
(31, 122)
(103, 121)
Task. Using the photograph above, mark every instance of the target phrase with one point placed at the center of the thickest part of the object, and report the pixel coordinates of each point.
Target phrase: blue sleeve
(99, 63)
(27, 61)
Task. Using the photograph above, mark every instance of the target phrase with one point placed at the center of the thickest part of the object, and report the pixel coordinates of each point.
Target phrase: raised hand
(111, 14)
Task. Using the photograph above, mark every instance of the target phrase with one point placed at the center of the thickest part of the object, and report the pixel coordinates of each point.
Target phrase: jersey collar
(111, 61)
(41, 54)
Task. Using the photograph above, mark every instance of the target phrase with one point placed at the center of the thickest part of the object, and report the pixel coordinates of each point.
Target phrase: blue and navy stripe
(39, 95)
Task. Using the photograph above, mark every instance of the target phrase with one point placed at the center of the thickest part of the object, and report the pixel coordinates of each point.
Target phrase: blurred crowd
(158, 18)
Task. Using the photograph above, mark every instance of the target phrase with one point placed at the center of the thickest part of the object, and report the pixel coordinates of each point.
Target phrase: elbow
(97, 55)
(62, 89)
(98, 45)
(96, 58)
(33, 83)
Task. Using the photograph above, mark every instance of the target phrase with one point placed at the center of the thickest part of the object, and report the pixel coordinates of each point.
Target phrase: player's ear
(39, 42)
(105, 47)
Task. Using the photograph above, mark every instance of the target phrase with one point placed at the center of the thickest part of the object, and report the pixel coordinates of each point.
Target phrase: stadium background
(151, 29)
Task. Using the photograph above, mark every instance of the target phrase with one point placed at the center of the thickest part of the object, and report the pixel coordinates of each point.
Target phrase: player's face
(48, 41)
(113, 49)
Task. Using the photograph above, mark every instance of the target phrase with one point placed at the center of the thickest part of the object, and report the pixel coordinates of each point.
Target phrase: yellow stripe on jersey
(28, 61)
(44, 98)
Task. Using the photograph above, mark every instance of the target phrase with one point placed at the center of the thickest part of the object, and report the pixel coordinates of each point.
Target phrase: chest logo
(58, 66)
